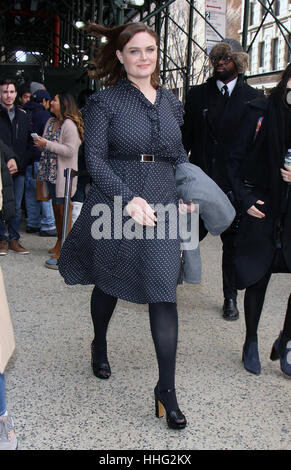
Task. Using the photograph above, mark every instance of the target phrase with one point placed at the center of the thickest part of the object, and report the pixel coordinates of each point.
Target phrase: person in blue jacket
(40, 215)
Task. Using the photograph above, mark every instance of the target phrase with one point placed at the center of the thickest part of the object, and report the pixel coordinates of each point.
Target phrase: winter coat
(67, 154)
(210, 125)
(16, 135)
(257, 240)
(38, 117)
(8, 206)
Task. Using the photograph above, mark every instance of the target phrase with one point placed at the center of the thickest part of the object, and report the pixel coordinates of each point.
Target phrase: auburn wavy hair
(69, 110)
(106, 64)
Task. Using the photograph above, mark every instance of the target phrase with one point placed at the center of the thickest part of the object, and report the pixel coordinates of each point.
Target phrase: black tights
(164, 329)
(253, 305)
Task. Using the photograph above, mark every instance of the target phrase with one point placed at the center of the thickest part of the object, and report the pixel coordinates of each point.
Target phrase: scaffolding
(42, 40)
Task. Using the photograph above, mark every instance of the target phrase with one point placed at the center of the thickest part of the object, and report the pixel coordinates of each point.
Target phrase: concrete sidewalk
(57, 403)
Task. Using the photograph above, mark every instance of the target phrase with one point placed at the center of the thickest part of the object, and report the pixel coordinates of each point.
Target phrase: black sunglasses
(225, 58)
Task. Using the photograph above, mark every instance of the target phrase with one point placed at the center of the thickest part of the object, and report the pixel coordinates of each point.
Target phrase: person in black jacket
(213, 113)
(8, 168)
(261, 181)
(15, 132)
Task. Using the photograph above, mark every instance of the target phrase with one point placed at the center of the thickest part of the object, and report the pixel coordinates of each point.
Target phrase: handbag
(41, 191)
(7, 341)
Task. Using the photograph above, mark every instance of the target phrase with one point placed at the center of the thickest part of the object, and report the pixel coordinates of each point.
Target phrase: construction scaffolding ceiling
(45, 40)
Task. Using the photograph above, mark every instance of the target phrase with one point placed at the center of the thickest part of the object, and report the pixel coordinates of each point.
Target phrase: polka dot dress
(120, 121)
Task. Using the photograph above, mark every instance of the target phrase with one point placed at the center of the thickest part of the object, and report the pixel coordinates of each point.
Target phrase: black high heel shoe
(285, 359)
(250, 358)
(175, 418)
(100, 369)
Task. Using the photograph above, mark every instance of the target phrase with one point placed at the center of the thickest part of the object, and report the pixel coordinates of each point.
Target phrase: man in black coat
(15, 133)
(8, 168)
(213, 115)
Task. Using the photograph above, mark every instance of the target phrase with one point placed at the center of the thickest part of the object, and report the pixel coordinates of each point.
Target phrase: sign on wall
(215, 11)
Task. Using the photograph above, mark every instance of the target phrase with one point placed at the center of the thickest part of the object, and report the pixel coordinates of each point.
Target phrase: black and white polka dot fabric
(121, 121)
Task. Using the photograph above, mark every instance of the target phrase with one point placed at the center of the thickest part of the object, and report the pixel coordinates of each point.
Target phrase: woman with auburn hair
(60, 143)
(132, 142)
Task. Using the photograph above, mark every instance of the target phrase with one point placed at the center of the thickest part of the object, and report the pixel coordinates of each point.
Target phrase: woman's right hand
(40, 143)
(254, 212)
(141, 212)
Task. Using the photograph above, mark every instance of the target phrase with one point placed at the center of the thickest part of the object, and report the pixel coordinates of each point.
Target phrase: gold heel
(175, 419)
(161, 410)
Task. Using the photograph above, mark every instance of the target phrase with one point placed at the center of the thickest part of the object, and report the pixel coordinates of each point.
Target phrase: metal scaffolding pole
(189, 48)
(245, 25)
(166, 32)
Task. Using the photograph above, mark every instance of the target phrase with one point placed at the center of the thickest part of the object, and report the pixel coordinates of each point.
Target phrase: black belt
(143, 157)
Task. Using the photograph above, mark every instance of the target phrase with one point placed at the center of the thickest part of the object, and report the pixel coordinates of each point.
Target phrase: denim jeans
(40, 214)
(2, 395)
(14, 222)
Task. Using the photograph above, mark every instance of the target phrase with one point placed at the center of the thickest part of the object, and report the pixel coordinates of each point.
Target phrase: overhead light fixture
(79, 24)
(104, 39)
(136, 3)
(85, 57)
(66, 46)
(20, 56)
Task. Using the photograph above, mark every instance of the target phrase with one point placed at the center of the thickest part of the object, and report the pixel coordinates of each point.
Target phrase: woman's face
(289, 83)
(139, 56)
(55, 105)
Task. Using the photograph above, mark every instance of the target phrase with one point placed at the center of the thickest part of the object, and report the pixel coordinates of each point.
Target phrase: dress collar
(127, 84)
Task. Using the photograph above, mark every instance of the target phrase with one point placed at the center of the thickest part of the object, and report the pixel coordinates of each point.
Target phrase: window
(264, 7)
(277, 7)
(275, 58)
(250, 59)
(252, 13)
(261, 54)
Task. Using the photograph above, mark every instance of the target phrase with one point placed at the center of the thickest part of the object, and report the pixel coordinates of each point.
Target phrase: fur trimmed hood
(232, 48)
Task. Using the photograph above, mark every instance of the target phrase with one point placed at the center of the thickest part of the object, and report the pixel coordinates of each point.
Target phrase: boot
(58, 223)
(58, 246)
(52, 263)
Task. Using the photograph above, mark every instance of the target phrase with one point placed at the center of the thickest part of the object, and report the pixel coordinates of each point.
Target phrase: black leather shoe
(230, 311)
(32, 229)
(48, 233)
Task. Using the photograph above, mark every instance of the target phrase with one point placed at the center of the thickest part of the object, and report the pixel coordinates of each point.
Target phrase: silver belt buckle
(147, 158)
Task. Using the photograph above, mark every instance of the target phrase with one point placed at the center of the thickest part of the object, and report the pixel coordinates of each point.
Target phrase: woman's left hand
(286, 174)
(40, 143)
(183, 208)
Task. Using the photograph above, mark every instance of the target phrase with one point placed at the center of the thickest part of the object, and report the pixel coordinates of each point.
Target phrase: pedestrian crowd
(228, 150)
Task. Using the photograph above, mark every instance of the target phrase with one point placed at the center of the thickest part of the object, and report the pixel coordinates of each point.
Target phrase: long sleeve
(97, 128)
(69, 140)
(8, 152)
(236, 158)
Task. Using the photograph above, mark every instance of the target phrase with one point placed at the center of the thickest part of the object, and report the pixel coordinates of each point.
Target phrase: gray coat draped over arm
(215, 210)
